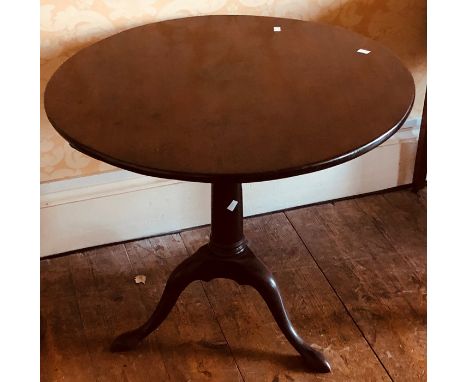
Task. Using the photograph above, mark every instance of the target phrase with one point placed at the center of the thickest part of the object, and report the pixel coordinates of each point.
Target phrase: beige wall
(68, 25)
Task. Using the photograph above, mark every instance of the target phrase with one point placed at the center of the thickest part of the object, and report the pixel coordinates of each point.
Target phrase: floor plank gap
(341, 301)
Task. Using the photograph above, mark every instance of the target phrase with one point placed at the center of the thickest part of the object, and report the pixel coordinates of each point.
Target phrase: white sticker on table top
(232, 205)
(363, 51)
(276, 29)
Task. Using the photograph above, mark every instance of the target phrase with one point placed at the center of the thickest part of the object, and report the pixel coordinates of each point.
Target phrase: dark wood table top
(215, 98)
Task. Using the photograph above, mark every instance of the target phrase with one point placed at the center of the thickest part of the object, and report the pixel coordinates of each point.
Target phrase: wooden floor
(352, 273)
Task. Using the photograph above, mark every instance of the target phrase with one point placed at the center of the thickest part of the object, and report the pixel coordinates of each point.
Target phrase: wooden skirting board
(119, 205)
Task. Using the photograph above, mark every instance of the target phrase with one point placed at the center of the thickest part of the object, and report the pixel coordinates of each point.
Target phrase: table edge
(239, 177)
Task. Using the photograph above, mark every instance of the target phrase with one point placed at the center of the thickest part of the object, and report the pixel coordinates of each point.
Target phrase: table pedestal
(225, 256)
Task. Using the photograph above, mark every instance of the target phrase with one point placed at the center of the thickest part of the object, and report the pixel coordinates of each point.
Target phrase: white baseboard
(119, 205)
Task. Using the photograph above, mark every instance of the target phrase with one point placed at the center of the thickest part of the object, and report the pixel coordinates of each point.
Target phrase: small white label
(276, 29)
(232, 205)
(363, 51)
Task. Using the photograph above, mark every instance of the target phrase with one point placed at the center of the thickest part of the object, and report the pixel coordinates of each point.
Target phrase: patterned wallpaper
(69, 25)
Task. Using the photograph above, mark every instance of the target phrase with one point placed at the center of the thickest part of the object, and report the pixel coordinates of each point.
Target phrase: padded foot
(315, 360)
(126, 341)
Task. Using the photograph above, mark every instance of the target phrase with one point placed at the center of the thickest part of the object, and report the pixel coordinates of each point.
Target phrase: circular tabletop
(229, 98)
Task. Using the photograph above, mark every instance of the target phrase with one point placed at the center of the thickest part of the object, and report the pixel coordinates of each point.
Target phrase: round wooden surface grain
(215, 98)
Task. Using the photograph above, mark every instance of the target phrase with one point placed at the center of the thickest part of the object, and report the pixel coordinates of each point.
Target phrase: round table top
(229, 98)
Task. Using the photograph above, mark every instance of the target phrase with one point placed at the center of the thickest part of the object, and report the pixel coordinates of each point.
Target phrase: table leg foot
(256, 274)
(126, 341)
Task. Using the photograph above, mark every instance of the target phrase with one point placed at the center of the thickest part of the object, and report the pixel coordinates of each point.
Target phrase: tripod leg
(259, 277)
(186, 272)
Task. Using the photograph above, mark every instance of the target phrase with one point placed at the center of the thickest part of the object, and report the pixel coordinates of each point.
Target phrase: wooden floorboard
(64, 350)
(373, 252)
(104, 289)
(352, 273)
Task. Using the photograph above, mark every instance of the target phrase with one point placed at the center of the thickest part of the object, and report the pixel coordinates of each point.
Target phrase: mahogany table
(228, 100)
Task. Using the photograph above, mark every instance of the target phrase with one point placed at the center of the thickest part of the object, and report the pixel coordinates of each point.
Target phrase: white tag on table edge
(232, 205)
(276, 29)
(363, 51)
